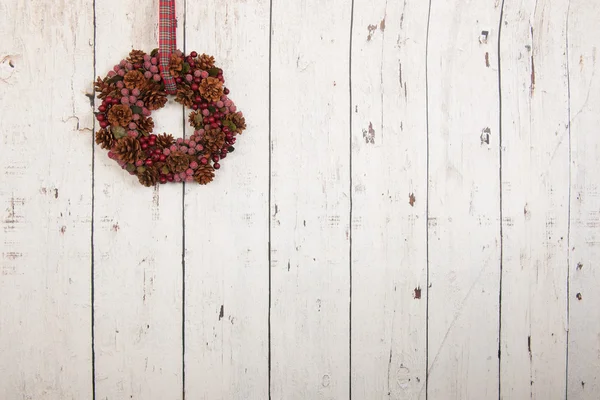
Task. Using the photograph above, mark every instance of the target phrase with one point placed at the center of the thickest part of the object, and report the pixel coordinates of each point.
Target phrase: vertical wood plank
(535, 188)
(46, 63)
(138, 241)
(389, 177)
(464, 226)
(310, 200)
(584, 100)
(226, 222)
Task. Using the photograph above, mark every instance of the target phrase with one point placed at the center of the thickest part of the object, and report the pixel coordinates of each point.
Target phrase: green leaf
(165, 170)
(114, 79)
(154, 52)
(136, 110)
(118, 131)
(130, 168)
(186, 68)
(141, 169)
(212, 109)
(213, 71)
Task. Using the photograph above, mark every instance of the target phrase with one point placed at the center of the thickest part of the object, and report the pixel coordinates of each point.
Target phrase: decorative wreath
(136, 87)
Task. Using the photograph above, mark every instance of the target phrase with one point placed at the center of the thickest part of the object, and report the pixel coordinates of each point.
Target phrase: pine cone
(145, 124)
(236, 122)
(178, 162)
(148, 175)
(128, 149)
(136, 56)
(206, 62)
(185, 96)
(104, 88)
(105, 139)
(214, 140)
(134, 80)
(211, 89)
(204, 174)
(164, 141)
(196, 119)
(154, 98)
(119, 115)
(175, 65)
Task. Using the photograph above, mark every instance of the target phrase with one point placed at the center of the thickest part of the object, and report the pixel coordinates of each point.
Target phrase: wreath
(136, 87)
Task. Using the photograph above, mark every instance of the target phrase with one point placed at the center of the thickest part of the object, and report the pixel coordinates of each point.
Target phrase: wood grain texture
(226, 222)
(138, 242)
(45, 198)
(310, 194)
(389, 219)
(535, 195)
(584, 316)
(464, 226)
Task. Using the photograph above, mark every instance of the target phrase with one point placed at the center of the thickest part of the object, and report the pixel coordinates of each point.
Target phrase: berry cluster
(134, 88)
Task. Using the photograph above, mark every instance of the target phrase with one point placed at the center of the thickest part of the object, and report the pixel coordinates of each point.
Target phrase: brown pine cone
(154, 98)
(134, 80)
(145, 124)
(211, 89)
(164, 141)
(214, 140)
(185, 96)
(178, 162)
(128, 149)
(119, 115)
(175, 65)
(148, 175)
(104, 88)
(204, 174)
(196, 119)
(206, 62)
(105, 139)
(236, 122)
(136, 56)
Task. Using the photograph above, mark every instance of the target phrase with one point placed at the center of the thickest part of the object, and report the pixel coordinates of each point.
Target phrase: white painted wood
(464, 226)
(310, 178)
(584, 316)
(535, 188)
(138, 241)
(46, 63)
(226, 222)
(389, 177)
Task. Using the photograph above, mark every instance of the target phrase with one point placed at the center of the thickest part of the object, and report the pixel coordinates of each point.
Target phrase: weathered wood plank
(46, 64)
(389, 218)
(138, 241)
(584, 297)
(226, 222)
(464, 226)
(310, 200)
(535, 196)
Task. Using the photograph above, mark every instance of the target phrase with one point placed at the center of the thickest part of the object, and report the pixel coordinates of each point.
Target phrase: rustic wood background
(413, 212)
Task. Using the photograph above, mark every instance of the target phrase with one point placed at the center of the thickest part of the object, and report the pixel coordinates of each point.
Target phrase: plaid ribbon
(167, 41)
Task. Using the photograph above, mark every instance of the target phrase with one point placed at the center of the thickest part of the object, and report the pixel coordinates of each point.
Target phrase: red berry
(198, 99)
(214, 125)
(195, 86)
(152, 137)
(203, 106)
(197, 80)
(204, 161)
(163, 179)
(108, 99)
(100, 117)
(194, 106)
(115, 101)
(143, 139)
(162, 157)
(178, 80)
(103, 124)
(102, 108)
(226, 91)
(211, 119)
(215, 158)
(194, 54)
(157, 151)
(170, 177)
(155, 157)
(216, 165)
(149, 163)
(144, 146)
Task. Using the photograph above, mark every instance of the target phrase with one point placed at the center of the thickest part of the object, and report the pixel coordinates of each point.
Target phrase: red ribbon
(167, 42)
